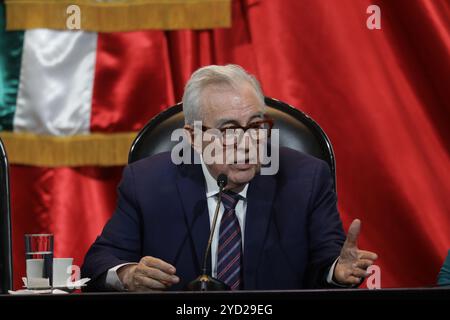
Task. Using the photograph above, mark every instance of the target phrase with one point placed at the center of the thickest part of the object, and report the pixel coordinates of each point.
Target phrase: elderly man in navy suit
(273, 231)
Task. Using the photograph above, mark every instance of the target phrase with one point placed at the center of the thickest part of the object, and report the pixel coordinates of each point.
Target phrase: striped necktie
(229, 255)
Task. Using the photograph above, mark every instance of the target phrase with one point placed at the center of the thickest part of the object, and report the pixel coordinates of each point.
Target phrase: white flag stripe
(56, 82)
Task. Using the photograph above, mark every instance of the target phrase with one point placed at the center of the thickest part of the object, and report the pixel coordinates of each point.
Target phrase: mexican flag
(57, 107)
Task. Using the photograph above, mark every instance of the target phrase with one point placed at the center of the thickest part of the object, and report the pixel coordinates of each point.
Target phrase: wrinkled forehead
(224, 101)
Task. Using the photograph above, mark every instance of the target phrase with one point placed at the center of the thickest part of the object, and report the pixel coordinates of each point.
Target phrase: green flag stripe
(11, 44)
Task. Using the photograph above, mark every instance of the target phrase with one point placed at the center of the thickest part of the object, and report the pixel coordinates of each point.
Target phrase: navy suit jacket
(293, 232)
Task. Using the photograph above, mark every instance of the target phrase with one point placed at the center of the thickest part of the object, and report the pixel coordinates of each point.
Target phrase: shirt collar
(211, 184)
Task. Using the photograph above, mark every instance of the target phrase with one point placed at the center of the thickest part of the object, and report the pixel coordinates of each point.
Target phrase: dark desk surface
(325, 302)
(439, 293)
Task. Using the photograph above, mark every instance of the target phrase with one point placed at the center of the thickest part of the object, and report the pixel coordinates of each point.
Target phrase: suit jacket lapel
(192, 190)
(260, 197)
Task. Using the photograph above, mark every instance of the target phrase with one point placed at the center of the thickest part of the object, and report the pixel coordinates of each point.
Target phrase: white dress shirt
(212, 189)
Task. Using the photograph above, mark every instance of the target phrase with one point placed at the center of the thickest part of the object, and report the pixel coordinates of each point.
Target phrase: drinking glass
(39, 260)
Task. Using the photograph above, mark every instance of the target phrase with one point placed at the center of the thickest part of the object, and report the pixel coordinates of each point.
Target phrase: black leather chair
(297, 131)
(6, 271)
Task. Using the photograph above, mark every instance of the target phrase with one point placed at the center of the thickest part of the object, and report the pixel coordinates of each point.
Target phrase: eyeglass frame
(249, 126)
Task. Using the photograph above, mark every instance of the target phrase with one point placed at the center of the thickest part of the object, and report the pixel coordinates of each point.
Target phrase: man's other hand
(351, 268)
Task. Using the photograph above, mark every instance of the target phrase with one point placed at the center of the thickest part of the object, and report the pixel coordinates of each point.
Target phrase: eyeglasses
(231, 135)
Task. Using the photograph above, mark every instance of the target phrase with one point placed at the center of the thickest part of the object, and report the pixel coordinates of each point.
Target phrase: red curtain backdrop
(381, 96)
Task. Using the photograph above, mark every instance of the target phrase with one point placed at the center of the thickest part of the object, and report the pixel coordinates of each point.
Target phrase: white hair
(231, 75)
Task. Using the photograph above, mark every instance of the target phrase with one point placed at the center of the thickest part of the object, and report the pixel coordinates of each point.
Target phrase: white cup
(62, 270)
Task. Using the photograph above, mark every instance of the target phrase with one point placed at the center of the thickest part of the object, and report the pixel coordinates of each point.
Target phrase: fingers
(359, 268)
(353, 280)
(157, 274)
(360, 273)
(363, 254)
(143, 284)
(352, 273)
(353, 233)
(363, 264)
(153, 273)
(158, 264)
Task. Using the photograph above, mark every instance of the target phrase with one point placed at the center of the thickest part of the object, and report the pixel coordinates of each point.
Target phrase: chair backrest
(297, 131)
(6, 271)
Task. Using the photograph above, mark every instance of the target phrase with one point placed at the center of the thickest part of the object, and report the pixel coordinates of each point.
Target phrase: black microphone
(206, 282)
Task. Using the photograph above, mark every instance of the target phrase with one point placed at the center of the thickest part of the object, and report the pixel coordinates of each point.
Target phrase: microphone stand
(206, 282)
